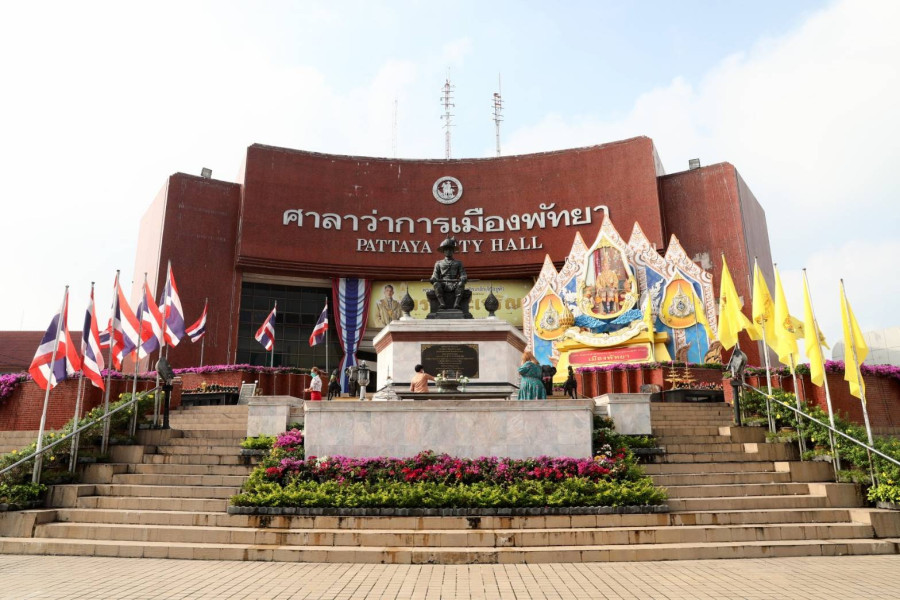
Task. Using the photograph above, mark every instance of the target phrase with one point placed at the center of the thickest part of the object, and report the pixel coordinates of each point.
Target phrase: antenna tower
(446, 103)
(498, 108)
(394, 130)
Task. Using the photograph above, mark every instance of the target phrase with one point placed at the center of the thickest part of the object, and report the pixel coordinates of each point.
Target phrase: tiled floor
(33, 577)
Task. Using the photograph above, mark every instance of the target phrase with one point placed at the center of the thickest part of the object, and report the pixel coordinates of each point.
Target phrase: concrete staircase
(732, 496)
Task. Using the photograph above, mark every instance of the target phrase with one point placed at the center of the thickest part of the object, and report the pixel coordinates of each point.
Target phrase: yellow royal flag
(785, 331)
(855, 348)
(731, 320)
(813, 349)
(763, 308)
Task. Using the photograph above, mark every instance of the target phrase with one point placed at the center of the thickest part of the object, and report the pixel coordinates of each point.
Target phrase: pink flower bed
(442, 468)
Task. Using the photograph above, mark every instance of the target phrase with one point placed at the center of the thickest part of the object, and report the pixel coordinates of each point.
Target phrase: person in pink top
(420, 380)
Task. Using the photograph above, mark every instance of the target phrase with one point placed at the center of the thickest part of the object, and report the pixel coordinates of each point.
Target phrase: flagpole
(38, 459)
(164, 349)
(104, 444)
(73, 448)
(862, 390)
(326, 344)
(836, 459)
(272, 352)
(165, 315)
(137, 358)
(203, 339)
(799, 406)
(765, 342)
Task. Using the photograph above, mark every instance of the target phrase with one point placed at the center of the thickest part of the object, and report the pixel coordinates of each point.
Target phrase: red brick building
(297, 219)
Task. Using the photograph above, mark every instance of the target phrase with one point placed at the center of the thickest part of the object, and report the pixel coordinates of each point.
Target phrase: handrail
(804, 415)
(75, 432)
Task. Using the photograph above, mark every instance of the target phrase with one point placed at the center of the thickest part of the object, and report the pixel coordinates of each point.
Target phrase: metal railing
(38, 455)
(832, 431)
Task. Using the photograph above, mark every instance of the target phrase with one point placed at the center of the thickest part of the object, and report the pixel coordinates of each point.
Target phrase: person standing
(570, 388)
(531, 386)
(315, 385)
(547, 373)
(334, 385)
(419, 382)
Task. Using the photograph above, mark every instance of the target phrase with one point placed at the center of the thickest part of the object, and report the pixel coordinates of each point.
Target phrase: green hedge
(393, 494)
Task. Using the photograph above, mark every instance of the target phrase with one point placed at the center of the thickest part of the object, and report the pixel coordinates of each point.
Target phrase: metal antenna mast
(498, 108)
(446, 102)
(394, 130)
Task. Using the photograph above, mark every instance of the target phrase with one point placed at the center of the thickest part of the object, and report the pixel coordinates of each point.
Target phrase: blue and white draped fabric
(351, 312)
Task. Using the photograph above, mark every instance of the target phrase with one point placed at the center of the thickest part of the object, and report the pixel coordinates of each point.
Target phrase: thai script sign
(474, 221)
(637, 353)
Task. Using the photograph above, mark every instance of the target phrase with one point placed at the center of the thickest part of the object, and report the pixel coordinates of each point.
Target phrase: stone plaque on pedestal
(437, 358)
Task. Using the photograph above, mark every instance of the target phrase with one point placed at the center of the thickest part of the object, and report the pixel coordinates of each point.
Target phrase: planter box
(448, 512)
(887, 505)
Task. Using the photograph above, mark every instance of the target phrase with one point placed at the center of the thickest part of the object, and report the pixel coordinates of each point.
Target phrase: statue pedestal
(517, 429)
(487, 351)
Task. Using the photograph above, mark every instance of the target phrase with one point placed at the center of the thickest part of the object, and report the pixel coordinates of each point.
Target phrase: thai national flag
(124, 327)
(46, 369)
(151, 324)
(318, 334)
(198, 329)
(173, 314)
(265, 335)
(91, 350)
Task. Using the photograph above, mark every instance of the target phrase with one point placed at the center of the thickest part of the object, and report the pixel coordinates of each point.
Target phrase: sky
(101, 102)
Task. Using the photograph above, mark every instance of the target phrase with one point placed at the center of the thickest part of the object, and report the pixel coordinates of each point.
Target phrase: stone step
(503, 538)
(450, 555)
(692, 439)
(235, 434)
(721, 478)
(180, 480)
(769, 451)
(234, 424)
(575, 523)
(166, 491)
(220, 408)
(740, 489)
(200, 450)
(700, 448)
(747, 503)
(688, 422)
(192, 459)
(162, 469)
(203, 442)
(663, 431)
(709, 467)
(151, 503)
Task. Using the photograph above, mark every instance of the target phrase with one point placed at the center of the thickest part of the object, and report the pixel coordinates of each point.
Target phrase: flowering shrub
(442, 468)
(575, 491)
(289, 440)
(646, 365)
(244, 367)
(9, 383)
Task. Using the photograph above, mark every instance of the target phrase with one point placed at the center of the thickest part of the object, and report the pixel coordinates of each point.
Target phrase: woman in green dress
(531, 387)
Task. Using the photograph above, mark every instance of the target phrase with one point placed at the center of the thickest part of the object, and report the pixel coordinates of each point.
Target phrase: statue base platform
(465, 428)
(449, 313)
(487, 351)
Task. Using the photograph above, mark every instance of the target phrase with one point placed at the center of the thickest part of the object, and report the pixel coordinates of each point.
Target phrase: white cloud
(810, 121)
(454, 52)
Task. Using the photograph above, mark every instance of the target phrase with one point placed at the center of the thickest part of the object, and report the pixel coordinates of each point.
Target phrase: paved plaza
(33, 577)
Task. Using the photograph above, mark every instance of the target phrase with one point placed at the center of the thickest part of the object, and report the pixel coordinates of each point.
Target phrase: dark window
(298, 311)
